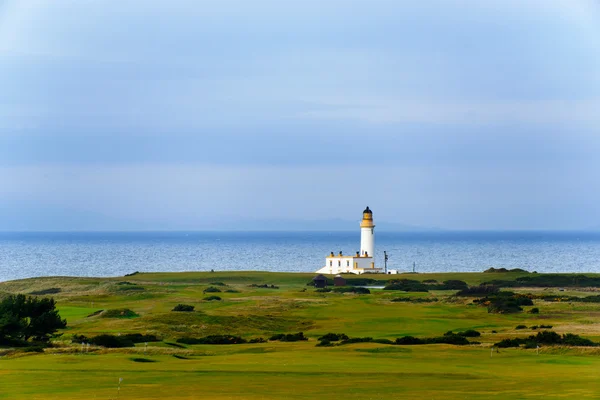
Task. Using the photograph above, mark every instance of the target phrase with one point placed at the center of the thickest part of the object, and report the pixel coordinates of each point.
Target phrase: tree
(24, 317)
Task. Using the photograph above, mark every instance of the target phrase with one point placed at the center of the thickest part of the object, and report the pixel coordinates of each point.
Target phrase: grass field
(277, 370)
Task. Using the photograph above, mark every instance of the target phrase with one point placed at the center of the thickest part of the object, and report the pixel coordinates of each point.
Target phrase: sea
(103, 254)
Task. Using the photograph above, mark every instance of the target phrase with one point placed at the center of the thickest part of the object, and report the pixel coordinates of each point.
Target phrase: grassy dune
(276, 370)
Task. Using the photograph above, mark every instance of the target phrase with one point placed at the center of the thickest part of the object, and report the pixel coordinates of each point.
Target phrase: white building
(363, 261)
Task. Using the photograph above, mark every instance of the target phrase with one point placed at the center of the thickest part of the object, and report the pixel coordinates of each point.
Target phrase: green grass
(297, 370)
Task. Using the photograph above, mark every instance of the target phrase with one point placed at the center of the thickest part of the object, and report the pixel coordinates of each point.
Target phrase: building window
(330, 263)
(347, 263)
(339, 263)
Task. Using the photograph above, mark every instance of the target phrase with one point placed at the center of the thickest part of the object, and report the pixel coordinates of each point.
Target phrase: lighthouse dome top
(367, 211)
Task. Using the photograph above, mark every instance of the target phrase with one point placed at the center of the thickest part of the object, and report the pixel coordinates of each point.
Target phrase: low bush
(414, 300)
(469, 333)
(323, 290)
(534, 310)
(265, 286)
(409, 340)
(548, 338)
(139, 338)
(481, 290)
(212, 298)
(213, 339)
(183, 307)
(211, 289)
(521, 327)
(290, 337)
(452, 284)
(406, 285)
(352, 289)
(46, 291)
(257, 340)
(110, 341)
(232, 291)
(333, 337)
(119, 313)
(218, 284)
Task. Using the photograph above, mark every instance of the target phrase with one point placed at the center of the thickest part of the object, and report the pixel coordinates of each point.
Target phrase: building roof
(319, 278)
(367, 211)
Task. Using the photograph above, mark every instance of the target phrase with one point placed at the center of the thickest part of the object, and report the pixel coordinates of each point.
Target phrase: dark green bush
(534, 310)
(481, 290)
(119, 313)
(521, 327)
(453, 284)
(111, 341)
(211, 289)
(352, 289)
(334, 337)
(469, 333)
(406, 285)
(323, 290)
(139, 338)
(218, 284)
(183, 307)
(213, 339)
(212, 298)
(257, 340)
(406, 340)
(46, 291)
(290, 337)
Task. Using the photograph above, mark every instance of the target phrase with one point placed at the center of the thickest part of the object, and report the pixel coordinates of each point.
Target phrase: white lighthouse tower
(363, 261)
(367, 234)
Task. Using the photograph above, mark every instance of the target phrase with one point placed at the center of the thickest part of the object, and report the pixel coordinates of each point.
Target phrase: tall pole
(385, 260)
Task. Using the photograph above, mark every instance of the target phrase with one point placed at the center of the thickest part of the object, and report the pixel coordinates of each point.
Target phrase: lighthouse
(367, 234)
(361, 262)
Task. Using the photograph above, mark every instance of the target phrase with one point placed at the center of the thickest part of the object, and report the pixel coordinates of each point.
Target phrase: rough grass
(297, 370)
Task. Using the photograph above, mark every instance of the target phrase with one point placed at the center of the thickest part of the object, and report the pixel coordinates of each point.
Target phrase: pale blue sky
(458, 114)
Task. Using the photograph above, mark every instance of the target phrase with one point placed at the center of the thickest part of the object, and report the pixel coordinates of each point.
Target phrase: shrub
(545, 326)
(481, 290)
(265, 286)
(324, 343)
(119, 313)
(183, 307)
(357, 340)
(139, 338)
(257, 340)
(534, 327)
(232, 291)
(213, 339)
(323, 290)
(521, 327)
(211, 289)
(534, 310)
(407, 285)
(111, 341)
(46, 291)
(218, 284)
(358, 290)
(334, 337)
(453, 284)
(469, 333)
(290, 337)
(212, 298)
(409, 340)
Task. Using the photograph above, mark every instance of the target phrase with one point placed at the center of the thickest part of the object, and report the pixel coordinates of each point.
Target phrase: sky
(185, 115)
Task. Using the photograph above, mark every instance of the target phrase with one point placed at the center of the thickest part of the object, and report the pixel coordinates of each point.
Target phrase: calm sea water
(24, 255)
